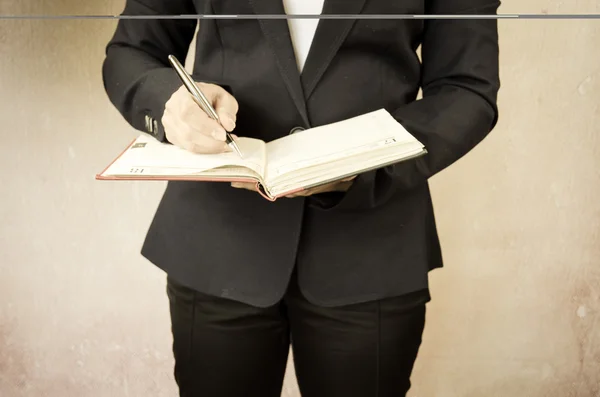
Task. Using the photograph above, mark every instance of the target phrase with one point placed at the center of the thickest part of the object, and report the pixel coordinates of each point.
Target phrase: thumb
(226, 107)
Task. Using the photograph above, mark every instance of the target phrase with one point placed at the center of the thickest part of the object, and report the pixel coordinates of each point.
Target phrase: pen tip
(235, 148)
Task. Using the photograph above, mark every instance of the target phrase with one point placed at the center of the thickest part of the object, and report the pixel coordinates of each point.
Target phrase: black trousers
(225, 348)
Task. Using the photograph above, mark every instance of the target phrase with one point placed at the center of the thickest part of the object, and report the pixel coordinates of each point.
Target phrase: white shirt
(302, 30)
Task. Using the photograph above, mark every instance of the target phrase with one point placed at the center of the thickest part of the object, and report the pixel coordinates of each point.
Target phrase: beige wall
(515, 312)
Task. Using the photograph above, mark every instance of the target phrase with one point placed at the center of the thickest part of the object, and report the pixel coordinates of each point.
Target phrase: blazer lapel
(277, 34)
(328, 39)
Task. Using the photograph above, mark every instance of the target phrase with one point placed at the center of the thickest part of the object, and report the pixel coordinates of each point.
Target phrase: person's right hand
(189, 127)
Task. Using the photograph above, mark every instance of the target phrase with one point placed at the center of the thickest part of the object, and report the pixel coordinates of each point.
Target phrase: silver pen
(201, 99)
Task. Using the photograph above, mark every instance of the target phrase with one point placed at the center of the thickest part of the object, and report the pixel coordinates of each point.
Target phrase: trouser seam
(378, 352)
(192, 330)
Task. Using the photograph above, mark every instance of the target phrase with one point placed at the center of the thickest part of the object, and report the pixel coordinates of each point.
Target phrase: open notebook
(286, 165)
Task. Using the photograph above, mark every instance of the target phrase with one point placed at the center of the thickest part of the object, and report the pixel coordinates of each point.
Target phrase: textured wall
(515, 312)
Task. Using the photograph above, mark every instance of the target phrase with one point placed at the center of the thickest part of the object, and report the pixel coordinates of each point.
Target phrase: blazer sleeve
(460, 83)
(136, 72)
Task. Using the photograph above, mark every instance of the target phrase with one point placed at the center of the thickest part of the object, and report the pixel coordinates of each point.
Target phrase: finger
(192, 115)
(207, 145)
(191, 139)
(183, 106)
(303, 193)
(244, 185)
(315, 190)
(227, 107)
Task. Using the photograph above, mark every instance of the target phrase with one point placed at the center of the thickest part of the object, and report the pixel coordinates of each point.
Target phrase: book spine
(263, 192)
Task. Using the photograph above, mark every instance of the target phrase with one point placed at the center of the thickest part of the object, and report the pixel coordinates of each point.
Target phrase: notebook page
(333, 142)
(149, 157)
(312, 176)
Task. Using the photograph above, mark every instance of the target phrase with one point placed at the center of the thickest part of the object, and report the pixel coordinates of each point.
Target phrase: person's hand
(338, 186)
(189, 127)
(245, 185)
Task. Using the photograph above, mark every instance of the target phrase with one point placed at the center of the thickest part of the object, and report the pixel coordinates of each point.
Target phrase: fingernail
(227, 119)
(229, 124)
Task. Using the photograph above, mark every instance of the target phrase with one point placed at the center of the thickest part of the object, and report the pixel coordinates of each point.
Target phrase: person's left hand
(338, 186)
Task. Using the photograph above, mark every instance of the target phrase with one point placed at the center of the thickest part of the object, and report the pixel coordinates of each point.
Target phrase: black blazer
(377, 240)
